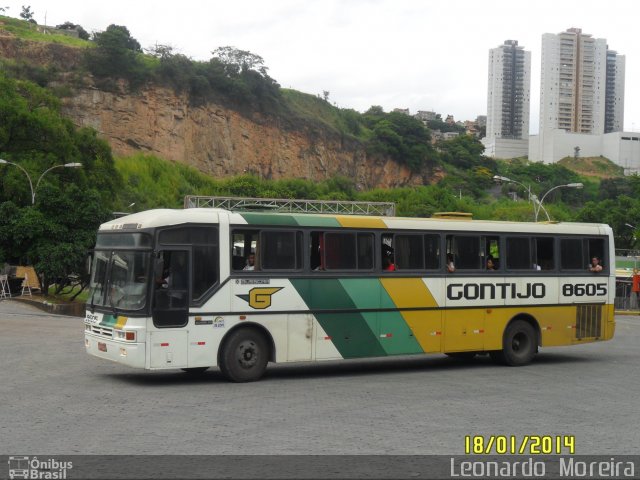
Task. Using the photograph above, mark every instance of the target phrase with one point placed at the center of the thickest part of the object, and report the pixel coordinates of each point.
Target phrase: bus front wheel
(519, 344)
(244, 356)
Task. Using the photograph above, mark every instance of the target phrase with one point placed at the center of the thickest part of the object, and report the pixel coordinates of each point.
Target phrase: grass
(598, 167)
(66, 297)
(30, 31)
(315, 110)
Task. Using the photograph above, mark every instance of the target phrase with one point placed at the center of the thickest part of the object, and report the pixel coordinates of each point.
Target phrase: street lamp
(499, 179)
(539, 203)
(33, 190)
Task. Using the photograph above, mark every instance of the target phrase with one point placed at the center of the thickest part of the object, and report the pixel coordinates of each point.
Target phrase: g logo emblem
(260, 297)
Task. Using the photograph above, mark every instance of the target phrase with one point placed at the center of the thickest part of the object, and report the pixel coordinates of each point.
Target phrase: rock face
(216, 140)
(221, 142)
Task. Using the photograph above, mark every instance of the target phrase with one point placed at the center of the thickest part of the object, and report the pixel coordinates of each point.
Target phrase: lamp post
(498, 179)
(539, 203)
(33, 190)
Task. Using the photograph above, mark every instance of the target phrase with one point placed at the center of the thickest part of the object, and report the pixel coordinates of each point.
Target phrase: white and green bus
(173, 289)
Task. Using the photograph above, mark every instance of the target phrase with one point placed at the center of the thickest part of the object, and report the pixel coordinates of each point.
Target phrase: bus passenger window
(409, 252)
(492, 253)
(432, 252)
(544, 253)
(281, 250)
(571, 255)
(365, 251)
(466, 251)
(243, 244)
(387, 253)
(597, 252)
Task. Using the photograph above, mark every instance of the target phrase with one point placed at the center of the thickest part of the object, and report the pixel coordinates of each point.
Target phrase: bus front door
(171, 292)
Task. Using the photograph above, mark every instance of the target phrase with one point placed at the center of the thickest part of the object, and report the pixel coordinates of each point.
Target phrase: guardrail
(386, 209)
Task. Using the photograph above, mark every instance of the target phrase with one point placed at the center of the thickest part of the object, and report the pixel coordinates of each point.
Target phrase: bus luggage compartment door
(168, 349)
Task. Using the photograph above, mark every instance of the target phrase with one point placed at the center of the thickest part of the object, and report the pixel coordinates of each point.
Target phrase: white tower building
(508, 100)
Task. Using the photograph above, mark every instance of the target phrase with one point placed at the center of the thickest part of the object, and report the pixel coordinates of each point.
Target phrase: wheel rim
(248, 354)
(520, 343)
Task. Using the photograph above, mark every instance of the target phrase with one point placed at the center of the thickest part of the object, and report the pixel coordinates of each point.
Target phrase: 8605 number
(584, 289)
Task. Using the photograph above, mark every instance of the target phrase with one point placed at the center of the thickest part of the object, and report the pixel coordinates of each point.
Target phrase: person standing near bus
(635, 288)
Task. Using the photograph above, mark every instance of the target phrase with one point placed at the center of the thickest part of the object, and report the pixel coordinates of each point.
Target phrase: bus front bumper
(131, 354)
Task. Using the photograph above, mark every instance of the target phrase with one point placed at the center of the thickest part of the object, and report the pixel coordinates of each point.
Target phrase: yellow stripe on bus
(121, 322)
(360, 222)
(426, 325)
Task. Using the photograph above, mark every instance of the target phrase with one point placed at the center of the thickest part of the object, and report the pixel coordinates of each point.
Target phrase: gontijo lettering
(494, 291)
(524, 445)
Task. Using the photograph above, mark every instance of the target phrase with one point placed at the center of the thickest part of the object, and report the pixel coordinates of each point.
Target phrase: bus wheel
(519, 345)
(195, 370)
(464, 356)
(244, 356)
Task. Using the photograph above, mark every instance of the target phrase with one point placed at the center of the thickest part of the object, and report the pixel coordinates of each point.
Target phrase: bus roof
(167, 217)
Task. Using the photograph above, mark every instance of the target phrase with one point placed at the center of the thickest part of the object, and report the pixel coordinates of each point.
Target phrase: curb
(68, 309)
(627, 312)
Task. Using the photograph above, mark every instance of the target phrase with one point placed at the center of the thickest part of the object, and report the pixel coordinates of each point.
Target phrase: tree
(82, 33)
(160, 51)
(54, 234)
(117, 55)
(27, 14)
(237, 61)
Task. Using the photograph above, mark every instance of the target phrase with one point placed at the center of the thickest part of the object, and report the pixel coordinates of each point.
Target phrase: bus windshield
(119, 279)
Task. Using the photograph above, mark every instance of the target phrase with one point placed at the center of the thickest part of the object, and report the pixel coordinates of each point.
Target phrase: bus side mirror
(88, 263)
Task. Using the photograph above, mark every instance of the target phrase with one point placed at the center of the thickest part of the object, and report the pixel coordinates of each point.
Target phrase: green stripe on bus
(108, 321)
(393, 333)
(269, 219)
(315, 221)
(349, 332)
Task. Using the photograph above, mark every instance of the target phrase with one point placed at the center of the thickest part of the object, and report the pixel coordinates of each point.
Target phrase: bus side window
(596, 248)
(387, 253)
(244, 243)
(432, 252)
(544, 253)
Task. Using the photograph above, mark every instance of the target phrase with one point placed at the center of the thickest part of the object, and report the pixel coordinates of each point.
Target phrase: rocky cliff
(216, 140)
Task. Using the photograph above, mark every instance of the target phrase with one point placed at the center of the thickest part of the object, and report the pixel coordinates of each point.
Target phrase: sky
(420, 55)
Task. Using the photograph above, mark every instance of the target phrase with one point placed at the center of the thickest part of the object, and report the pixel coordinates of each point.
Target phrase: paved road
(56, 400)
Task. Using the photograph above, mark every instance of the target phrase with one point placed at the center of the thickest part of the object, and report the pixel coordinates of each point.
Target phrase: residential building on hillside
(614, 93)
(426, 115)
(581, 93)
(508, 100)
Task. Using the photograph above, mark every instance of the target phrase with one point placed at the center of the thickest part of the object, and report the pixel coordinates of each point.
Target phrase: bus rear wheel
(519, 344)
(244, 356)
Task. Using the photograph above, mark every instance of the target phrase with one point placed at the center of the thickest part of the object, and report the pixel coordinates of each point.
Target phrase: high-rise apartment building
(614, 93)
(581, 86)
(508, 99)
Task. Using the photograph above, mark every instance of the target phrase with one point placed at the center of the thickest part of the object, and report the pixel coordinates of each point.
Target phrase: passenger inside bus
(251, 262)
(387, 264)
(595, 266)
(450, 265)
(490, 263)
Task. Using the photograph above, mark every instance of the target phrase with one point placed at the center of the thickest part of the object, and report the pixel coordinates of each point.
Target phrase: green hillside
(595, 167)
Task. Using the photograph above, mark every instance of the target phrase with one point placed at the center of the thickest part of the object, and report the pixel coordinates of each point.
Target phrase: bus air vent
(588, 321)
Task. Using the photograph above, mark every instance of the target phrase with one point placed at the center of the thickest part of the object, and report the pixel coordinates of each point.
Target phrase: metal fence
(625, 298)
(292, 206)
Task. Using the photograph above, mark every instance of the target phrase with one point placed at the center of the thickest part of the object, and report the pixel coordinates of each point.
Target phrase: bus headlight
(126, 335)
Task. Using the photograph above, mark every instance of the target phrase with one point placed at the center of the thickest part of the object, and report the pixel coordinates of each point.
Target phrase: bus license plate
(102, 346)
